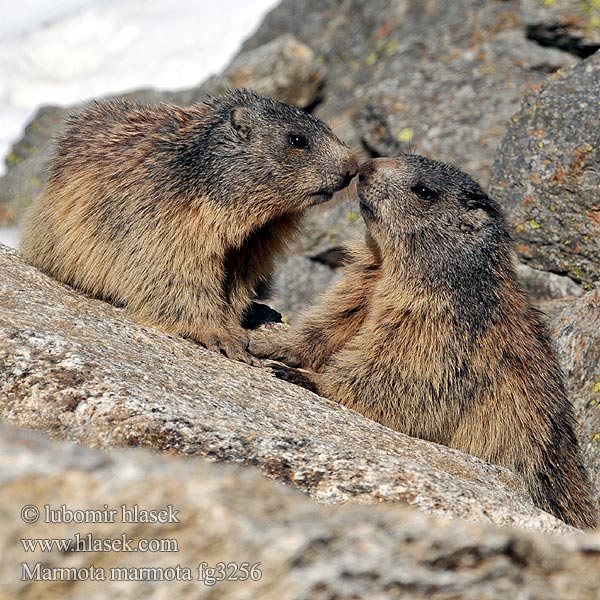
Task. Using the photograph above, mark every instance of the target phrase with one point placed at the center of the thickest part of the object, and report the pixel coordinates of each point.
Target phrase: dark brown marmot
(178, 213)
(431, 334)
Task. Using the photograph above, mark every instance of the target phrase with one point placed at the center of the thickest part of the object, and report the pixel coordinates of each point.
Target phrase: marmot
(178, 213)
(431, 334)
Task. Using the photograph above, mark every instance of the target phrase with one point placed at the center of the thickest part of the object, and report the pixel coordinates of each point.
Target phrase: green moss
(12, 159)
(533, 224)
(405, 135)
(591, 9)
(372, 58)
(576, 273)
(391, 47)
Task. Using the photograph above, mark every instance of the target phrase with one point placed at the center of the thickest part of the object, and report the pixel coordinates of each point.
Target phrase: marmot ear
(474, 219)
(240, 121)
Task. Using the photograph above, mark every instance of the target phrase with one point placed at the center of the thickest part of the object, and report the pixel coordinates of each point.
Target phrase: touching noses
(351, 169)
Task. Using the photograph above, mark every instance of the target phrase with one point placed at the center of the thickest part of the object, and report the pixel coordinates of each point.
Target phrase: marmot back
(178, 213)
(430, 334)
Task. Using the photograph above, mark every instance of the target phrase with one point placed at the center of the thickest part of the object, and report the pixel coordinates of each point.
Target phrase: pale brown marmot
(178, 213)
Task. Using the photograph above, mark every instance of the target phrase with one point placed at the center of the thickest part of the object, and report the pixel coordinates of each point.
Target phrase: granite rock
(284, 69)
(547, 174)
(229, 514)
(78, 369)
(443, 78)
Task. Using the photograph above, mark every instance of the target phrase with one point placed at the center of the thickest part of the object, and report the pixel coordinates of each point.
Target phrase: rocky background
(507, 90)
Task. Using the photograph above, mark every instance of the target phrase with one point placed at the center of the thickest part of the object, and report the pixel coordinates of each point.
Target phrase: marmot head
(432, 217)
(250, 148)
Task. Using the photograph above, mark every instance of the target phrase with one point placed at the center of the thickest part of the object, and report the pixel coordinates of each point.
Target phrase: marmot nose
(351, 168)
(366, 169)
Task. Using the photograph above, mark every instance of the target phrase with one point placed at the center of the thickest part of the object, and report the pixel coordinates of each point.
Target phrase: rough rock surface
(576, 329)
(571, 26)
(283, 68)
(78, 369)
(27, 163)
(543, 285)
(547, 174)
(230, 514)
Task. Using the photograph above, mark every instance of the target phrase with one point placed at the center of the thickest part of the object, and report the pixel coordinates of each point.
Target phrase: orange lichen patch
(6, 214)
(526, 200)
(594, 214)
(535, 178)
(574, 21)
(558, 175)
(476, 38)
(580, 156)
(524, 250)
(383, 31)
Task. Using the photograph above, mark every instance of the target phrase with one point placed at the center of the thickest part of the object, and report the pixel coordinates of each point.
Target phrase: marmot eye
(298, 141)
(424, 192)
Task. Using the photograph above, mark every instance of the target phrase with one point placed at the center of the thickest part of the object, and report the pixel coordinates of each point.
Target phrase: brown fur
(430, 334)
(179, 213)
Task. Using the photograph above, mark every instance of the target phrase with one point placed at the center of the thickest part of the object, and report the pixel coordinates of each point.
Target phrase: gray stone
(547, 174)
(284, 69)
(227, 514)
(576, 329)
(443, 76)
(78, 369)
(571, 26)
(27, 163)
(543, 285)
(28, 160)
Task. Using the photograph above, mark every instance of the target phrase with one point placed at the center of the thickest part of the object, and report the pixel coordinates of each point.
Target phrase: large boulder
(283, 68)
(79, 369)
(443, 78)
(294, 548)
(547, 174)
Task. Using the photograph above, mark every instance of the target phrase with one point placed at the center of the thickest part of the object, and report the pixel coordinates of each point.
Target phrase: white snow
(65, 51)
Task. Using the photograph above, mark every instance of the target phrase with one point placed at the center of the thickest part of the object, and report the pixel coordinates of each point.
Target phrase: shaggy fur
(431, 334)
(178, 213)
